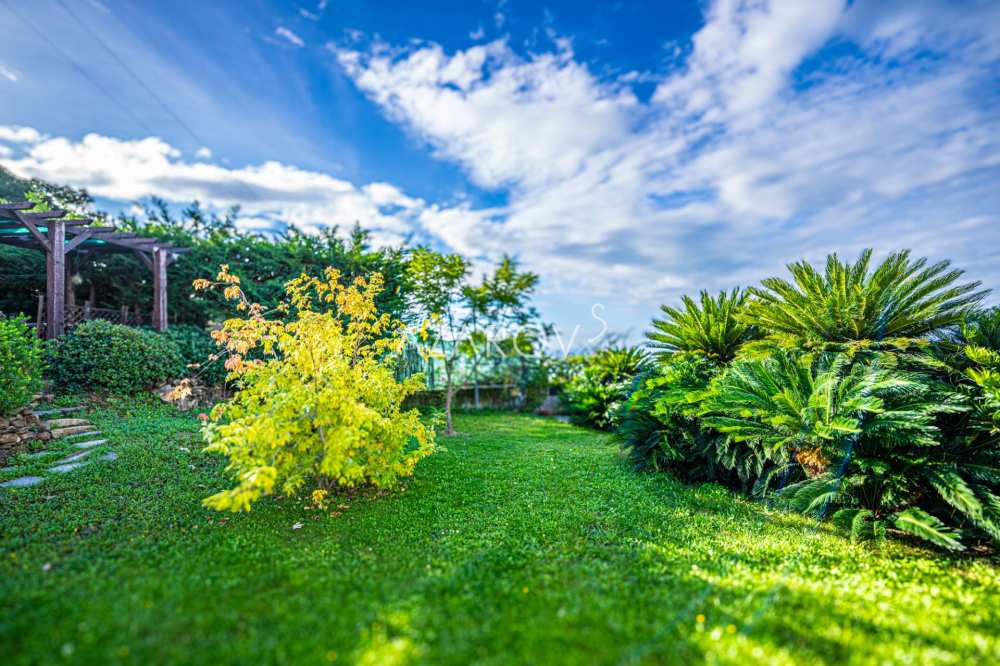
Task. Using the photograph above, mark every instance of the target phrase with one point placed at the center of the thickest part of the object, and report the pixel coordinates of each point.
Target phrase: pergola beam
(156, 255)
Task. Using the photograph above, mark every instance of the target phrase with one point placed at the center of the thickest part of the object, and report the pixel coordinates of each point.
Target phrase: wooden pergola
(57, 237)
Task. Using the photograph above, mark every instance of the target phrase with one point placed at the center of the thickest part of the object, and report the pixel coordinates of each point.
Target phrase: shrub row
(100, 356)
(866, 394)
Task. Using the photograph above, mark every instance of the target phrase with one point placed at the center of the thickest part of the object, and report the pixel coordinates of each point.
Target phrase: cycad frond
(900, 299)
(713, 327)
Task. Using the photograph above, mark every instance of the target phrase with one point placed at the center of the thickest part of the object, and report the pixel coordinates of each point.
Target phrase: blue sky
(629, 152)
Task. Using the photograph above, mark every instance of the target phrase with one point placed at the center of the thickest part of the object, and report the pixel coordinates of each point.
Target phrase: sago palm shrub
(594, 395)
(660, 428)
(889, 305)
(866, 435)
(712, 326)
(659, 423)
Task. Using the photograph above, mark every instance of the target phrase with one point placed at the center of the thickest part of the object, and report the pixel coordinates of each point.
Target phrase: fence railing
(75, 314)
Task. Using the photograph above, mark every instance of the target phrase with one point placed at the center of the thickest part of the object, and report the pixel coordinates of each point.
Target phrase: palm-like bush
(593, 396)
(901, 299)
(659, 428)
(869, 435)
(712, 327)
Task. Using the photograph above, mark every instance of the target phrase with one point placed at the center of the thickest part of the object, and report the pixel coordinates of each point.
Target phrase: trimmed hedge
(100, 356)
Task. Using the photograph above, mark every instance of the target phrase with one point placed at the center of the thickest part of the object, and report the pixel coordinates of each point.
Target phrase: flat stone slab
(110, 455)
(21, 482)
(57, 410)
(59, 433)
(66, 423)
(89, 433)
(74, 457)
(90, 444)
(68, 467)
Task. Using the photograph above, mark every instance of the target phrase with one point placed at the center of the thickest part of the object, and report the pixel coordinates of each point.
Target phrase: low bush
(319, 405)
(101, 356)
(199, 353)
(595, 393)
(868, 394)
(20, 365)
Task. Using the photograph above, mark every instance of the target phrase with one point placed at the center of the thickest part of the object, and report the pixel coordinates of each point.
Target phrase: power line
(78, 68)
(134, 76)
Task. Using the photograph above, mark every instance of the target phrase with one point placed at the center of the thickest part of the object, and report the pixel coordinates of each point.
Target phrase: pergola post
(55, 279)
(160, 261)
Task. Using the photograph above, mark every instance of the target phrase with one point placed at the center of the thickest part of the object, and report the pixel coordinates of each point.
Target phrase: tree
(436, 289)
(318, 402)
(494, 306)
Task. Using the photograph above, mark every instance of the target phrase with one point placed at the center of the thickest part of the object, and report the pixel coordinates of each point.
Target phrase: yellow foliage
(319, 406)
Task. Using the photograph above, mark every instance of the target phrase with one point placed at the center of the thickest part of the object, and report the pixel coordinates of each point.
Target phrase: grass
(525, 541)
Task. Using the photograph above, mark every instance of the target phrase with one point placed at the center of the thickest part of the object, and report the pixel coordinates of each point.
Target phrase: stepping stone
(74, 457)
(62, 469)
(110, 455)
(58, 410)
(89, 433)
(91, 443)
(59, 433)
(66, 423)
(21, 482)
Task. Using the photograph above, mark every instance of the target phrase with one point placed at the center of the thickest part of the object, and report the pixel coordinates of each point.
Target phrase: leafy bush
(98, 355)
(20, 365)
(873, 397)
(594, 395)
(199, 352)
(321, 405)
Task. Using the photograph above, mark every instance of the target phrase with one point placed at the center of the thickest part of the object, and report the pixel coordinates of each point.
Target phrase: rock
(550, 406)
(90, 444)
(67, 423)
(74, 457)
(110, 455)
(21, 482)
(10, 438)
(72, 430)
(62, 469)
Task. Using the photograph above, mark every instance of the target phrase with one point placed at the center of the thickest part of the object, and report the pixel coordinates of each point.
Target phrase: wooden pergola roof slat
(62, 236)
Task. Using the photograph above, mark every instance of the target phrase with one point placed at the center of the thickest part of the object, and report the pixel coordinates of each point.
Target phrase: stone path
(87, 439)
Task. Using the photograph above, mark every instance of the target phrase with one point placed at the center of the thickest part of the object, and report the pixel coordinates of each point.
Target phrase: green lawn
(524, 541)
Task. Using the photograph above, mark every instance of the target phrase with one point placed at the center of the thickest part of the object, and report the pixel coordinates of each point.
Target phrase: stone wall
(18, 431)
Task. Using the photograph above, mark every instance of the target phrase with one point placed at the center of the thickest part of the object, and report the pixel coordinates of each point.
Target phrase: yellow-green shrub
(323, 408)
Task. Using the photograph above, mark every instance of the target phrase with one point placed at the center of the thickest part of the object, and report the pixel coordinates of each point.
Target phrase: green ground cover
(524, 541)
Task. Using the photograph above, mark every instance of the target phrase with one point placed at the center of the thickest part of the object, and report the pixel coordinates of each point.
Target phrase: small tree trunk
(449, 430)
(475, 379)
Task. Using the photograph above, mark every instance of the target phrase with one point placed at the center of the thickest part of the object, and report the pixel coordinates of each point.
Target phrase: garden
(340, 454)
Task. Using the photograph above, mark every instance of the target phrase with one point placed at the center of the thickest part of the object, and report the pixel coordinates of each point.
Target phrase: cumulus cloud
(751, 151)
(271, 194)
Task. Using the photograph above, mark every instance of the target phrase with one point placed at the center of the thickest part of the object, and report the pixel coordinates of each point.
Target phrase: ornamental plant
(100, 356)
(317, 404)
(20, 365)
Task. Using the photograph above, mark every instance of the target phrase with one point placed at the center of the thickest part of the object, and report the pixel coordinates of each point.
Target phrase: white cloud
(18, 134)
(289, 36)
(9, 74)
(269, 194)
(204, 153)
(510, 121)
(743, 159)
